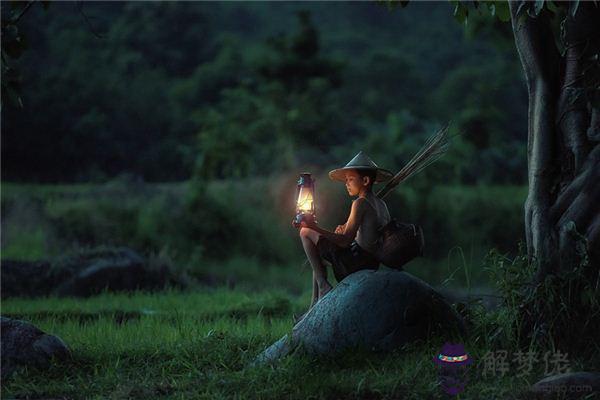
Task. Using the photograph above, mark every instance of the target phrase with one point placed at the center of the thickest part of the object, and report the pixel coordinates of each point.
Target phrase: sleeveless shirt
(367, 236)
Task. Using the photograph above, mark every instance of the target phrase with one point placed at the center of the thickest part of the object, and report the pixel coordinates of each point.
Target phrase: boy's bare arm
(351, 226)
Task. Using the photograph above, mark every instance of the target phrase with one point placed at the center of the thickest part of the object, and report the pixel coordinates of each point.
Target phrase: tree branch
(29, 4)
(87, 20)
(581, 35)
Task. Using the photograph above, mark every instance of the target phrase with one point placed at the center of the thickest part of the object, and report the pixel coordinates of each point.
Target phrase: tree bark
(540, 61)
(562, 210)
(563, 200)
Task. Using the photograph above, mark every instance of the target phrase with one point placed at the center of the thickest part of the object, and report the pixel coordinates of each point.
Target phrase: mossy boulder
(375, 310)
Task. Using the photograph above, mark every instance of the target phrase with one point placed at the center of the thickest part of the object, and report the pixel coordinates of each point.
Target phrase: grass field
(199, 344)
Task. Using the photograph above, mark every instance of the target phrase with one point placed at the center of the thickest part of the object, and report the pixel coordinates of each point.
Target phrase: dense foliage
(166, 91)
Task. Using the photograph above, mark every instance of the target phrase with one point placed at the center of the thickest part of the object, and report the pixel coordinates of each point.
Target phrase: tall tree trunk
(563, 135)
(562, 210)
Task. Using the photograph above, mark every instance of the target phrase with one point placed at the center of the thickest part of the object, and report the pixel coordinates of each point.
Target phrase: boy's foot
(326, 289)
(297, 318)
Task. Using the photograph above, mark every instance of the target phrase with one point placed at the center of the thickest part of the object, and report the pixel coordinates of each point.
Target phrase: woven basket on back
(400, 243)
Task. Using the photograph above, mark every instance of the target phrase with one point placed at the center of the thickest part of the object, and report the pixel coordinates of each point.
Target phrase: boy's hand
(308, 224)
(340, 229)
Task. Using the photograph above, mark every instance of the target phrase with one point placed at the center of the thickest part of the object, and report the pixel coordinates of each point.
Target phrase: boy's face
(354, 183)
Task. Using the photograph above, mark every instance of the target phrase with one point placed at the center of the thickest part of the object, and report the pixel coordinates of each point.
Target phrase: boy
(351, 247)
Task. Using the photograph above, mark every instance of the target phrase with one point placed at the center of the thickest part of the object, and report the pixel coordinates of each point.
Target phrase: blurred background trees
(181, 128)
(230, 90)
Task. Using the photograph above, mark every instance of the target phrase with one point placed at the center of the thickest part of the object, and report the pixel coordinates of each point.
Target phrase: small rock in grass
(23, 344)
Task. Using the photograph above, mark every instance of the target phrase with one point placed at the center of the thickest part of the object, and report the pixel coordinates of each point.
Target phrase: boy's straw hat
(360, 161)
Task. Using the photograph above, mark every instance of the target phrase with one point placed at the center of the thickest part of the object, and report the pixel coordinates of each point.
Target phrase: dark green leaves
(13, 45)
(391, 4)
(502, 10)
(539, 5)
(461, 11)
(497, 8)
(11, 82)
(573, 8)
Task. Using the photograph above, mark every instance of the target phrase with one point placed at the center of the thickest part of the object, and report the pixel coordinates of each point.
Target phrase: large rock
(86, 273)
(26, 278)
(487, 297)
(116, 271)
(23, 344)
(378, 310)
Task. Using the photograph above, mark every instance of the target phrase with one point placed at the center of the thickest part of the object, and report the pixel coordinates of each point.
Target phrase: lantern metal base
(303, 217)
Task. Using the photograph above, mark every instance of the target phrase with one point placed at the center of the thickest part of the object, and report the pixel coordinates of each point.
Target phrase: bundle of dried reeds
(435, 146)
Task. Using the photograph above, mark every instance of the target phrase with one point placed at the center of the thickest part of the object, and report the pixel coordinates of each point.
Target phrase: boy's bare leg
(313, 301)
(315, 291)
(309, 240)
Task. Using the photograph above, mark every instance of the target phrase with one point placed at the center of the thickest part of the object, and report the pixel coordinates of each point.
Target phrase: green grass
(253, 275)
(26, 245)
(199, 345)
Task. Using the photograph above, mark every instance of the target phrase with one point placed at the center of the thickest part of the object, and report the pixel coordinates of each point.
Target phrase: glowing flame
(305, 200)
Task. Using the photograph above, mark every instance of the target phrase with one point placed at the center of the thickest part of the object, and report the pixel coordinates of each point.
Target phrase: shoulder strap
(371, 204)
(380, 218)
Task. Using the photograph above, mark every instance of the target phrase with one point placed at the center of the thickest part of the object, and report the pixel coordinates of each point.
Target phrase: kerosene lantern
(305, 199)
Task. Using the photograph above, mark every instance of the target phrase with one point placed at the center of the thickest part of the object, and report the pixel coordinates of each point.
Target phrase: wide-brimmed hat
(452, 354)
(360, 161)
